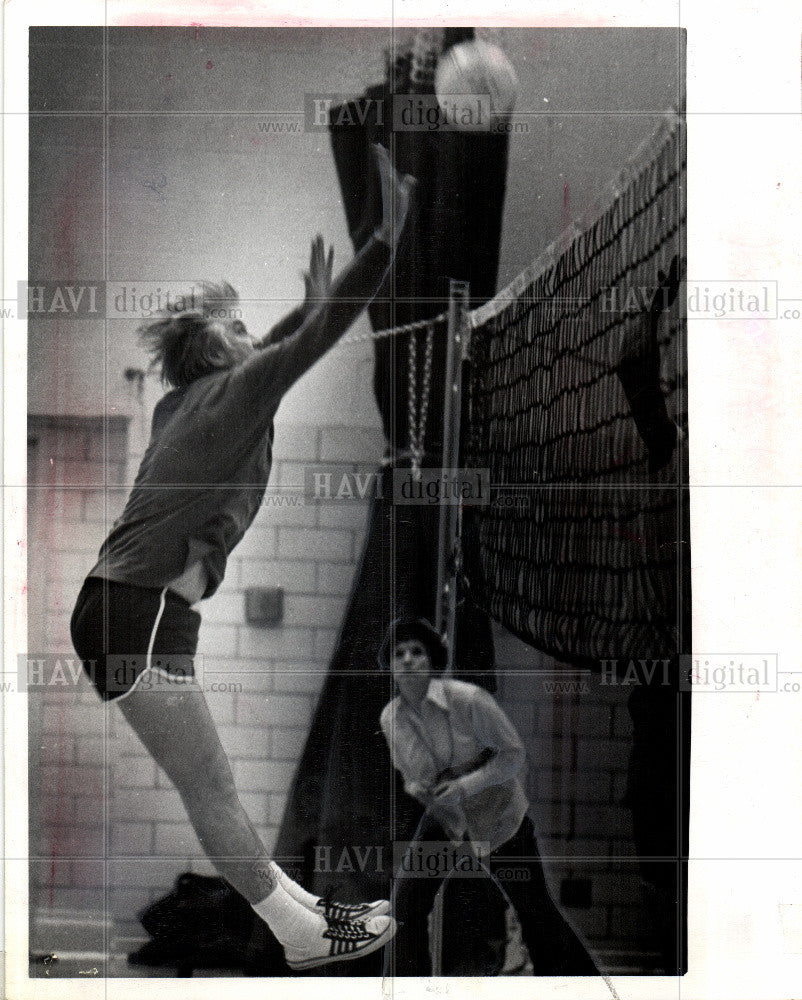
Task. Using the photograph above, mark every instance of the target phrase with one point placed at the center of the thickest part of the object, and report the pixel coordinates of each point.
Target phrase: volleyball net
(575, 401)
(583, 551)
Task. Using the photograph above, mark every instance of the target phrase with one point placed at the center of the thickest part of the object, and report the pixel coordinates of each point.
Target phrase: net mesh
(583, 551)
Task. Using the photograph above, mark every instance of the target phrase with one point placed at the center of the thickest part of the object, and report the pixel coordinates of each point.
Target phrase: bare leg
(178, 730)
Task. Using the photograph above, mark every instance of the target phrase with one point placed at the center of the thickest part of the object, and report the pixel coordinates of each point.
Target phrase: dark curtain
(346, 793)
(595, 565)
(454, 231)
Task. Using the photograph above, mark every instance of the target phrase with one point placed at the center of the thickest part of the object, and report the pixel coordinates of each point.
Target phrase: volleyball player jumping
(198, 489)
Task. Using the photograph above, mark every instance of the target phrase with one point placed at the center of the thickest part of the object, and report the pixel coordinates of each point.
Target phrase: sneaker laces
(333, 910)
(346, 936)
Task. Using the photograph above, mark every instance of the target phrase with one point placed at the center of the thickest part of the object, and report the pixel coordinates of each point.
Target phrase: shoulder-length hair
(186, 341)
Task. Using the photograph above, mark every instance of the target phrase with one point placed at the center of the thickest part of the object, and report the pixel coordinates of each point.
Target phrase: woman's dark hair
(406, 628)
(188, 343)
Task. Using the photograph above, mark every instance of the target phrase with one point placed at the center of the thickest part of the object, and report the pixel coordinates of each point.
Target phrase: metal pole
(448, 535)
(448, 531)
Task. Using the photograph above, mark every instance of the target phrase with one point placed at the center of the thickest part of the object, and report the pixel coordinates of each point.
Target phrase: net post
(448, 534)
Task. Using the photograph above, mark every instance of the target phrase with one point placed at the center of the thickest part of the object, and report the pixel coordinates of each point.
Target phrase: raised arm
(317, 284)
(638, 369)
(663, 298)
(267, 375)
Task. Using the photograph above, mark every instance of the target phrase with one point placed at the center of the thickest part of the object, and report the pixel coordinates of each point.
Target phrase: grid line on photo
(329, 572)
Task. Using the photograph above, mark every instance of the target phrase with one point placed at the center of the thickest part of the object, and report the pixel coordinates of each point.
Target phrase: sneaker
(341, 941)
(329, 908)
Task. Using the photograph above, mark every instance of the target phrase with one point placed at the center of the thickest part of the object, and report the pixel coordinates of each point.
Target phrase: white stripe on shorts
(149, 654)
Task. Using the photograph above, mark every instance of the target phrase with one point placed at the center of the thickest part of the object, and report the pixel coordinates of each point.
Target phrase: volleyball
(470, 70)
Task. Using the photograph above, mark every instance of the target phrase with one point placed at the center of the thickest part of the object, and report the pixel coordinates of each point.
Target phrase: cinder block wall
(262, 685)
(578, 739)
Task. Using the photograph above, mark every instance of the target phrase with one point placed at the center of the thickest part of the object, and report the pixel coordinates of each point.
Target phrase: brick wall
(578, 742)
(90, 770)
(90, 774)
(67, 462)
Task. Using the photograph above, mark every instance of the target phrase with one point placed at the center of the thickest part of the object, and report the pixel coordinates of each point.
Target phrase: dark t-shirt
(205, 471)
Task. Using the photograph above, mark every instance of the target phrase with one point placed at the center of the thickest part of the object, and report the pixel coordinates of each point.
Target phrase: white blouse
(457, 722)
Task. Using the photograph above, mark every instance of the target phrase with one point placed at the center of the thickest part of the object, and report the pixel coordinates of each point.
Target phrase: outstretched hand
(317, 280)
(396, 197)
(668, 286)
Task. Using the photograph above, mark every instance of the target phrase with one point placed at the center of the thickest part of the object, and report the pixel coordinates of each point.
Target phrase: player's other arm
(284, 328)
(664, 296)
(317, 285)
(271, 372)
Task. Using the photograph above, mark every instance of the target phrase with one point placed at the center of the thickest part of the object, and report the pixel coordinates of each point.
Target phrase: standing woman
(198, 489)
(461, 758)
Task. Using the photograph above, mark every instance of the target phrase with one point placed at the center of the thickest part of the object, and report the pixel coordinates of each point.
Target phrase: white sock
(298, 893)
(291, 923)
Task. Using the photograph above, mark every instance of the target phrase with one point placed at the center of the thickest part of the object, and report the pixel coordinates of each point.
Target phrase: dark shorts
(118, 630)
